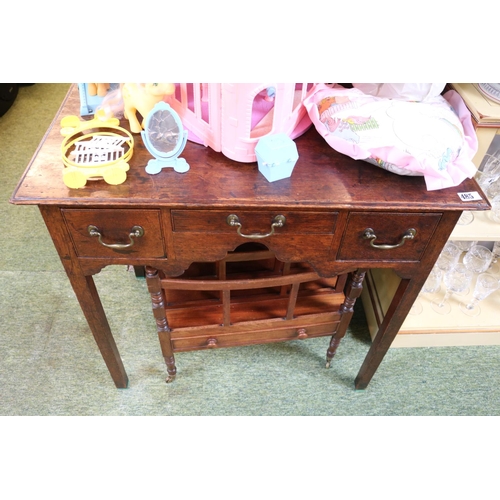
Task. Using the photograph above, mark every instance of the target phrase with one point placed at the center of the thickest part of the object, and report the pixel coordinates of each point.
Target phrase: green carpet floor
(50, 365)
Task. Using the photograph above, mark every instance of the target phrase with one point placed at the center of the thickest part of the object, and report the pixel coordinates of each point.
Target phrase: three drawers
(368, 236)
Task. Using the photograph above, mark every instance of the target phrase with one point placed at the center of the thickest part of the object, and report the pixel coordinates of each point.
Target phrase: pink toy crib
(232, 117)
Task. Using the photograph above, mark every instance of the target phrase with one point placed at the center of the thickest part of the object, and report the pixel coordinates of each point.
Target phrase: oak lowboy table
(333, 219)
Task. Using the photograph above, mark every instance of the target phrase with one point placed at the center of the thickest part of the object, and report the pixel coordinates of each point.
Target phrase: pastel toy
(232, 117)
(165, 138)
(94, 149)
(141, 98)
(72, 124)
(276, 156)
(92, 96)
(99, 89)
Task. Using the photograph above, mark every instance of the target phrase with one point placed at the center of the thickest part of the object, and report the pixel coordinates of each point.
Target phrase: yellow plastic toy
(95, 149)
(141, 98)
(73, 124)
(99, 89)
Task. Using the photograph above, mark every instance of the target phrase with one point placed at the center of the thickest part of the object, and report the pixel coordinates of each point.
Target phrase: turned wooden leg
(171, 369)
(158, 302)
(332, 349)
(352, 291)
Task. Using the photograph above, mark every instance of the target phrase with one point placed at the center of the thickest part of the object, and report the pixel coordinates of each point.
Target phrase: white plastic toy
(232, 117)
(165, 138)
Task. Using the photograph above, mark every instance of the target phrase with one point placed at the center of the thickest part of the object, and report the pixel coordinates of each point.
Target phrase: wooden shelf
(429, 328)
(482, 228)
(250, 297)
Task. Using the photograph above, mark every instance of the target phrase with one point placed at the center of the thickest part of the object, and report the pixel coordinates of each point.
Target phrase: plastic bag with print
(434, 139)
(403, 91)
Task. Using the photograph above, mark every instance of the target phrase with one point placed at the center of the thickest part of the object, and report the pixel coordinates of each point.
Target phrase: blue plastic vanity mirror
(165, 138)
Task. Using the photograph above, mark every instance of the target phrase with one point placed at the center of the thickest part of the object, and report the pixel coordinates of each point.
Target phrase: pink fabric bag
(433, 138)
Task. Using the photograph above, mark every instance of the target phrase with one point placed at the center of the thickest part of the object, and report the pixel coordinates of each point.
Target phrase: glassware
(457, 279)
(465, 245)
(490, 166)
(485, 285)
(489, 172)
(495, 209)
(478, 259)
(493, 189)
(495, 266)
(492, 163)
(485, 179)
(466, 218)
(449, 256)
(432, 284)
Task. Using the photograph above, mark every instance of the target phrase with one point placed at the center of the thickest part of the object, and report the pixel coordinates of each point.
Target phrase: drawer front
(205, 235)
(389, 230)
(186, 341)
(253, 222)
(120, 232)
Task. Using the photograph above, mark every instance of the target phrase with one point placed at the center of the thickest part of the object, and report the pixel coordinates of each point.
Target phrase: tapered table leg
(86, 293)
(96, 318)
(394, 318)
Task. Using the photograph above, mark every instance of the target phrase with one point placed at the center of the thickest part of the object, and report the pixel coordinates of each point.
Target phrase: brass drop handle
(211, 342)
(369, 234)
(136, 232)
(234, 220)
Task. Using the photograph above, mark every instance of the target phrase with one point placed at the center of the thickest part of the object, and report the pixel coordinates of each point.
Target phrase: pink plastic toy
(232, 117)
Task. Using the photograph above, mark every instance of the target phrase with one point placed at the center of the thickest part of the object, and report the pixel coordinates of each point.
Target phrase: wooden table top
(322, 179)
